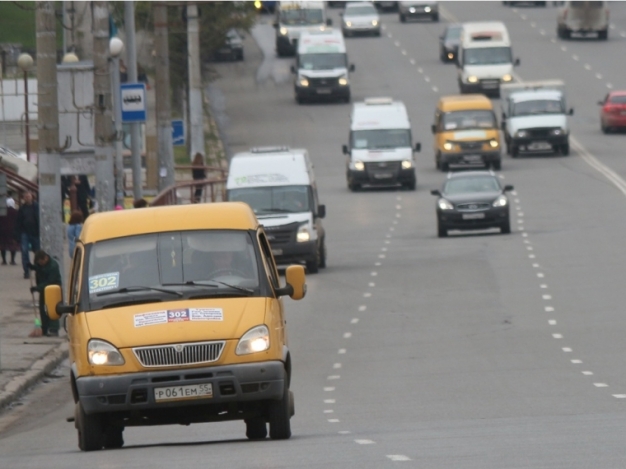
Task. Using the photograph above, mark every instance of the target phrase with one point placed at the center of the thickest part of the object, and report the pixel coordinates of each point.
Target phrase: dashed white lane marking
(398, 457)
(547, 297)
(333, 377)
(520, 214)
(329, 388)
(381, 256)
(575, 57)
(420, 69)
(391, 228)
(599, 76)
(543, 285)
(553, 41)
(403, 52)
(612, 26)
(526, 241)
(557, 336)
(412, 61)
(362, 308)
(398, 207)
(367, 294)
(524, 17)
(387, 241)
(531, 256)
(587, 373)
(364, 442)
(542, 32)
(517, 201)
(344, 432)
(329, 411)
(427, 79)
(549, 309)
(576, 362)
(336, 366)
(525, 235)
(435, 89)
(540, 275)
(536, 266)
(587, 67)
(347, 335)
(520, 221)
(530, 248)
(354, 320)
(399, 215)
(533, 24)
(609, 85)
(395, 222)
(397, 44)
(329, 401)
(374, 273)
(619, 396)
(333, 420)
(566, 349)
(564, 49)
(552, 322)
(341, 351)
(601, 385)
(378, 264)
(389, 35)
(371, 284)
(623, 34)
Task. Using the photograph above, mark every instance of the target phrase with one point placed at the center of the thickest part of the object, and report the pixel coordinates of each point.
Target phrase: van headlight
(304, 234)
(343, 81)
(493, 143)
(521, 133)
(349, 24)
(501, 201)
(283, 31)
(507, 78)
(427, 9)
(255, 340)
(374, 22)
(557, 132)
(448, 146)
(358, 165)
(445, 205)
(472, 79)
(303, 81)
(407, 164)
(103, 353)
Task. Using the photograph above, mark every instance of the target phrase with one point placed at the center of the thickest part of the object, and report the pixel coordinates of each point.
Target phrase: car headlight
(348, 23)
(450, 55)
(283, 31)
(358, 165)
(493, 143)
(374, 22)
(304, 234)
(448, 146)
(427, 9)
(303, 81)
(407, 164)
(103, 353)
(255, 340)
(412, 10)
(521, 133)
(501, 201)
(557, 132)
(507, 77)
(343, 81)
(472, 79)
(445, 205)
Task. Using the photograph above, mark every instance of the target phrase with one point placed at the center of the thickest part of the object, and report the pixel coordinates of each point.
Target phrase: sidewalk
(23, 360)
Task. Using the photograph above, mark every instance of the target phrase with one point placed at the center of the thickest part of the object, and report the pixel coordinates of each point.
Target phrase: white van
(584, 18)
(321, 68)
(380, 150)
(293, 18)
(279, 184)
(485, 58)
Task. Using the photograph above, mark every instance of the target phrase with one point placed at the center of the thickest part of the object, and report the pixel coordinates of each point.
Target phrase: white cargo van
(485, 58)
(321, 69)
(293, 18)
(380, 150)
(583, 18)
(279, 184)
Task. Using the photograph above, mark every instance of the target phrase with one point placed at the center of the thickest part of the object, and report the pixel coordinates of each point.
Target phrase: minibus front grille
(179, 354)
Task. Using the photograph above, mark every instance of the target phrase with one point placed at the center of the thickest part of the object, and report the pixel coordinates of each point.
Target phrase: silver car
(419, 9)
(360, 18)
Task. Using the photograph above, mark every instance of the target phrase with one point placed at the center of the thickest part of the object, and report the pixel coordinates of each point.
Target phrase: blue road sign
(133, 102)
(178, 132)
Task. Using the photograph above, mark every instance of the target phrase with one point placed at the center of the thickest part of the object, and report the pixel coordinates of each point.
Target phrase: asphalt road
(477, 351)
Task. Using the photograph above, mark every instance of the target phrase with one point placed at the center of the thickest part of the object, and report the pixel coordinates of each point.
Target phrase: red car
(613, 112)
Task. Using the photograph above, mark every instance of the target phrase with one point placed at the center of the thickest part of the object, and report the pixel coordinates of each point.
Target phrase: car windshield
(453, 33)
(384, 138)
(322, 61)
(277, 199)
(487, 56)
(539, 106)
(302, 16)
(479, 119)
(143, 268)
(471, 184)
(360, 10)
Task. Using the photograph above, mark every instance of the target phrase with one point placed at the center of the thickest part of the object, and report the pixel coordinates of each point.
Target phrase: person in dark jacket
(83, 191)
(27, 229)
(8, 241)
(47, 272)
(198, 174)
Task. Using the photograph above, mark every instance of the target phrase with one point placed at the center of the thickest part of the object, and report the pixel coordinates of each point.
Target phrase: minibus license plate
(472, 158)
(383, 175)
(192, 391)
(473, 216)
(323, 91)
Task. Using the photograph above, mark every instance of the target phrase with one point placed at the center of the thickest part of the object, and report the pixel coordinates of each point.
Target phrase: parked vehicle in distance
(613, 112)
(583, 18)
(321, 70)
(232, 49)
(449, 42)
(174, 316)
(292, 19)
(386, 6)
(466, 132)
(380, 152)
(279, 184)
(472, 200)
(534, 117)
(537, 4)
(360, 18)
(418, 9)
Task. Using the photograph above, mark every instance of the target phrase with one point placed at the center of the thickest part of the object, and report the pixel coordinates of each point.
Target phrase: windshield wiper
(138, 301)
(139, 288)
(213, 284)
(276, 210)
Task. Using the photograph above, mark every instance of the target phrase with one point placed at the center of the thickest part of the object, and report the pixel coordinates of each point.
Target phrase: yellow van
(176, 317)
(466, 132)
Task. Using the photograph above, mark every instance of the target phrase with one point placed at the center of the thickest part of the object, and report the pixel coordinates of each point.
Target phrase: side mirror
(352, 68)
(418, 147)
(53, 298)
(516, 63)
(344, 149)
(436, 192)
(321, 211)
(433, 128)
(293, 69)
(571, 111)
(508, 188)
(296, 286)
(329, 22)
(600, 103)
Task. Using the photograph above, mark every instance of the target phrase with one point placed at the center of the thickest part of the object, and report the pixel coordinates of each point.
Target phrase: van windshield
(277, 199)
(322, 61)
(299, 17)
(147, 265)
(383, 138)
(487, 56)
(539, 106)
(479, 119)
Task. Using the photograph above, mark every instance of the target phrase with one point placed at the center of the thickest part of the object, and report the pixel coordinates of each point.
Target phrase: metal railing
(17, 183)
(192, 192)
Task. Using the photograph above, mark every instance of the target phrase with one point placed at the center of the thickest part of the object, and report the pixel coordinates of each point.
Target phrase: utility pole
(163, 102)
(196, 114)
(49, 165)
(135, 129)
(105, 188)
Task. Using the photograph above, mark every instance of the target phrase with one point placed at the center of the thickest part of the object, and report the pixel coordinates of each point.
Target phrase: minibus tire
(279, 416)
(90, 431)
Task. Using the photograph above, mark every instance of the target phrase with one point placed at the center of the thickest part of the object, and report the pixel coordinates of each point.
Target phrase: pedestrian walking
(74, 227)
(8, 241)
(47, 272)
(198, 173)
(27, 229)
(83, 192)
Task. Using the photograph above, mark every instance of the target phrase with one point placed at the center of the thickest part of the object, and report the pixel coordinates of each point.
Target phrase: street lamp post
(25, 62)
(116, 46)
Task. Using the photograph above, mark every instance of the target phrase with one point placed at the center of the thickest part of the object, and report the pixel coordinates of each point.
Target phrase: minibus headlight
(303, 81)
(493, 143)
(407, 164)
(304, 234)
(349, 24)
(103, 353)
(374, 22)
(283, 31)
(359, 165)
(343, 81)
(448, 146)
(507, 78)
(255, 340)
(472, 79)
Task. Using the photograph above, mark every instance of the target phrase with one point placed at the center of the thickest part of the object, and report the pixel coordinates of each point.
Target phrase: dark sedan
(472, 200)
(449, 42)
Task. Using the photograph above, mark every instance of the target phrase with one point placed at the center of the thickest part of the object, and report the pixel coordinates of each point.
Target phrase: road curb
(18, 385)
